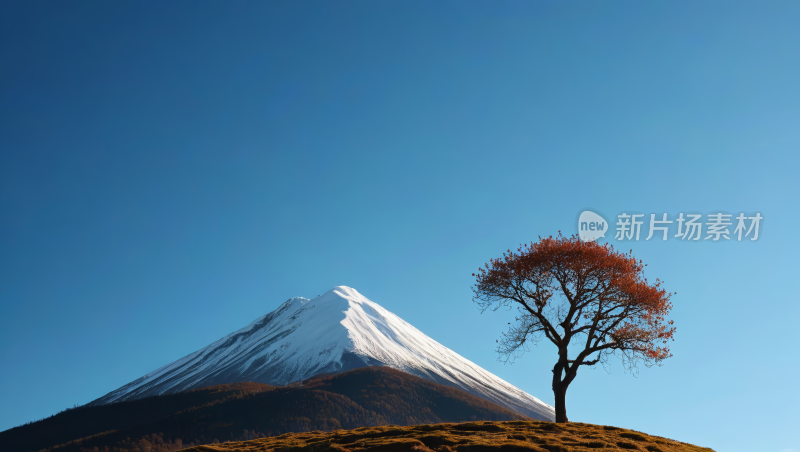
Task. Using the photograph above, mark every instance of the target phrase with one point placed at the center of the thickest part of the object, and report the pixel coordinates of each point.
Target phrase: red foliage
(565, 288)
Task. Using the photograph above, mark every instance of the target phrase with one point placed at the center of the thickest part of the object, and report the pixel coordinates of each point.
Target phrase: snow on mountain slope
(335, 332)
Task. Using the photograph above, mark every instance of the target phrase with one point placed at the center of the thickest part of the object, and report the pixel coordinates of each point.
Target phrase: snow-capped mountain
(334, 332)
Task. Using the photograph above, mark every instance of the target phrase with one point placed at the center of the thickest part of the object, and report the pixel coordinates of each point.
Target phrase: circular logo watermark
(591, 226)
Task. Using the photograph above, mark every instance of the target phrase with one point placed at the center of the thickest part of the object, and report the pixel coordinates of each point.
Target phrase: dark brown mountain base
(367, 396)
(511, 436)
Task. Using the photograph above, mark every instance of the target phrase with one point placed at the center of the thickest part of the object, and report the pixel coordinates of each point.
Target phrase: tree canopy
(586, 298)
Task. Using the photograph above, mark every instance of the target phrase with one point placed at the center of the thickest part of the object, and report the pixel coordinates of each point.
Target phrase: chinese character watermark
(687, 226)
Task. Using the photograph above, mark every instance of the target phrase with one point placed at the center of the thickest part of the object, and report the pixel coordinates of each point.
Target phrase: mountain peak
(344, 293)
(334, 332)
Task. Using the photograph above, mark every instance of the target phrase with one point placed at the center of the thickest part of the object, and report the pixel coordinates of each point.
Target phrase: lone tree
(585, 298)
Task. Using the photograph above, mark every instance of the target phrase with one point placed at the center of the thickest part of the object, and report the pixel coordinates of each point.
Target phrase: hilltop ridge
(509, 436)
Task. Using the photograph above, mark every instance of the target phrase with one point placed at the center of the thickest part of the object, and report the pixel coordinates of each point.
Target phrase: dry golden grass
(509, 436)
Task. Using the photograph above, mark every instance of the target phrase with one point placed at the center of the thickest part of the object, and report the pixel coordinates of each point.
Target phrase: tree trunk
(560, 386)
(560, 392)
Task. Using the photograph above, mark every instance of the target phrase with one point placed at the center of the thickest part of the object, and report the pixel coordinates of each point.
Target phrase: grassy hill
(370, 396)
(512, 436)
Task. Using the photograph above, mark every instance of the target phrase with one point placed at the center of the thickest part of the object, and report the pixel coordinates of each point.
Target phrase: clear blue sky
(169, 171)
